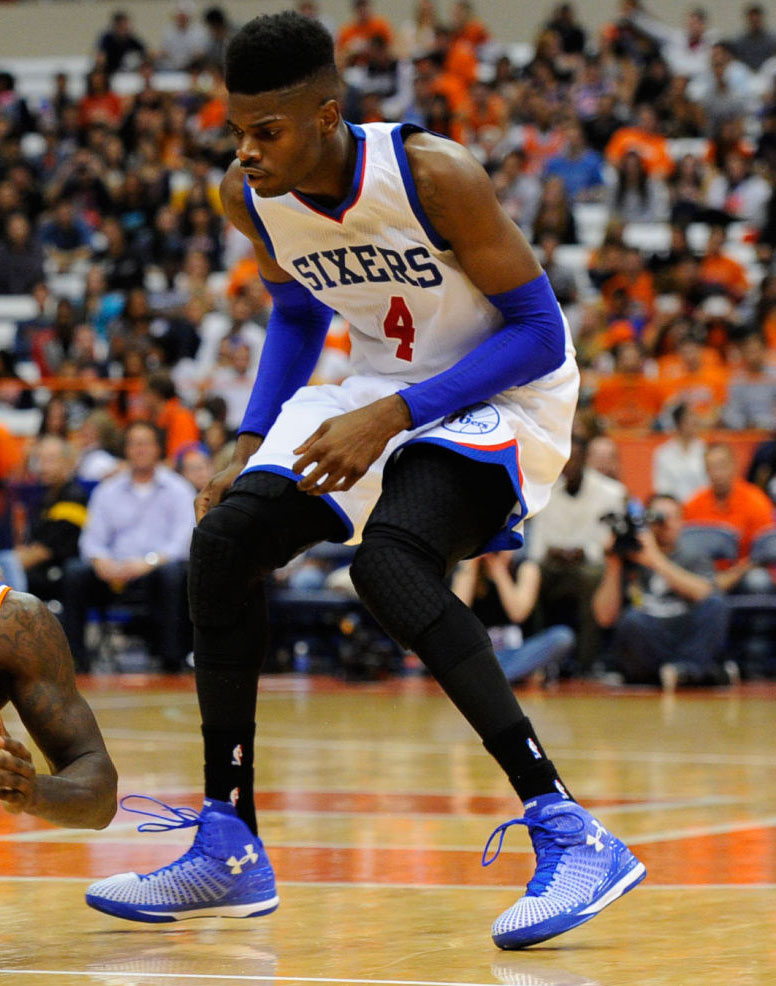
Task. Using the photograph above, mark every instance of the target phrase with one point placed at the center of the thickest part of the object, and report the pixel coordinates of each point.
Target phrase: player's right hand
(216, 488)
(17, 774)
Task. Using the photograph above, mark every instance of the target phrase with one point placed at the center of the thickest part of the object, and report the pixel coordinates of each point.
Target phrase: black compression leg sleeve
(259, 526)
(438, 507)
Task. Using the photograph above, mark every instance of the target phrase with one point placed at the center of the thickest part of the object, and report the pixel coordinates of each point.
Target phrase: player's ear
(329, 117)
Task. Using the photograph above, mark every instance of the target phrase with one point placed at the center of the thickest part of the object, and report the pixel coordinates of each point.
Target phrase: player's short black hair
(275, 51)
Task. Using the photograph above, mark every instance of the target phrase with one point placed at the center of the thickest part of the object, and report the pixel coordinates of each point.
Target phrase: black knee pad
(220, 569)
(399, 586)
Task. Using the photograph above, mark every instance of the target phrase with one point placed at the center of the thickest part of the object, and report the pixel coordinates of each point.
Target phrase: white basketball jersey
(377, 260)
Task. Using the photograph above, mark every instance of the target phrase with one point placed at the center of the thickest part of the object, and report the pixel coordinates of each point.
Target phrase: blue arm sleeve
(530, 344)
(296, 332)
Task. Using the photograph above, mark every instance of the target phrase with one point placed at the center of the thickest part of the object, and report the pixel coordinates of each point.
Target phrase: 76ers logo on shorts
(478, 419)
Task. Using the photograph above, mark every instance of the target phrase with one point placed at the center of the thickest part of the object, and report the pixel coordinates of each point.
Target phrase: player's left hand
(17, 774)
(344, 447)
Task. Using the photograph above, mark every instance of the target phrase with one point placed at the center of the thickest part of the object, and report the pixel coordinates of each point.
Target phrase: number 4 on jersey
(398, 324)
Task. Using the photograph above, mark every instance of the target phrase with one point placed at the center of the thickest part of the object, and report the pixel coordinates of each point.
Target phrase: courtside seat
(717, 542)
(17, 307)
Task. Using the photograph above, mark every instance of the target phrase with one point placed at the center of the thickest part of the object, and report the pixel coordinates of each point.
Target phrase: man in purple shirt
(134, 549)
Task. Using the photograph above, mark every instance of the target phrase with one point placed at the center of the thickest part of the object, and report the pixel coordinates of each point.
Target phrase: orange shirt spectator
(354, 36)
(646, 141)
(627, 400)
(725, 273)
(179, 425)
(11, 453)
(640, 290)
(670, 365)
(487, 111)
(466, 26)
(704, 390)
(745, 507)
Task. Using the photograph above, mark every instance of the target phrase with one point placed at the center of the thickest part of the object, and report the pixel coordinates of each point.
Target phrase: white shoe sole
(233, 911)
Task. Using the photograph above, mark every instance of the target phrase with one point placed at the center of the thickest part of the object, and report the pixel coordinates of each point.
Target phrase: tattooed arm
(34, 656)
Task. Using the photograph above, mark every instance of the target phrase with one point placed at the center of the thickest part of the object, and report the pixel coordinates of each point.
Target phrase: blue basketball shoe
(225, 873)
(581, 868)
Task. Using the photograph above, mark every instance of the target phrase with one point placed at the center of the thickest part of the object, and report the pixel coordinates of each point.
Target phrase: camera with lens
(626, 527)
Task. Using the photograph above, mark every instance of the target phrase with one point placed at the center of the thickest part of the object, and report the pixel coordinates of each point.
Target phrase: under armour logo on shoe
(237, 756)
(595, 840)
(237, 864)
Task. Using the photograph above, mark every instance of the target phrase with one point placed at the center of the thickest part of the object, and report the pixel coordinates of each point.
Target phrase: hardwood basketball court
(375, 803)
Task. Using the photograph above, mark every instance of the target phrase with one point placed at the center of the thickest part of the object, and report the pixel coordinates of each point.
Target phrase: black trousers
(161, 594)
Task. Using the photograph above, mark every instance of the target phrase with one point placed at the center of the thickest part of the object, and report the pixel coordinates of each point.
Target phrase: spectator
(628, 398)
(195, 465)
(120, 49)
(554, 215)
(562, 279)
(638, 198)
(603, 455)
(134, 549)
(184, 41)
(175, 421)
(638, 286)
(517, 189)
(695, 381)
(567, 541)
(465, 26)
(354, 36)
(97, 442)
(578, 166)
(726, 91)
(751, 399)
(100, 105)
(679, 464)
(687, 51)
(66, 238)
(729, 499)
(756, 44)
(21, 257)
(220, 31)
(503, 599)
(738, 192)
(670, 623)
(762, 468)
(55, 520)
(565, 24)
(232, 380)
(15, 116)
(645, 139)
(721, 272)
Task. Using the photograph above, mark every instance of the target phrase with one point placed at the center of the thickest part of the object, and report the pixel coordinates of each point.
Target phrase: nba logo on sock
(533, 748)
(237, 755)
(234, 794)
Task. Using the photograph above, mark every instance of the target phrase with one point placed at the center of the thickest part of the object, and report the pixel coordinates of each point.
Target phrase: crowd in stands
(639, 160)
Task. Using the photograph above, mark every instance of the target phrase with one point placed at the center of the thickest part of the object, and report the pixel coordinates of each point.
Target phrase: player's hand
(17, 774)
(344, 447)
(216, 489)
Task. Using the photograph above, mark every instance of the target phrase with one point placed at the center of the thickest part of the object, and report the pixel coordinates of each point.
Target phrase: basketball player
(36, 676)
(452, 428)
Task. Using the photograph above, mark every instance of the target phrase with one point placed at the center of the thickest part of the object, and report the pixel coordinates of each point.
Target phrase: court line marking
(107, 835)
(358, 745)
(370, 885)
(221, 977)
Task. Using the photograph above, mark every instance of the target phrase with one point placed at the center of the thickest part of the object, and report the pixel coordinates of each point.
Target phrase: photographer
(670, 624)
